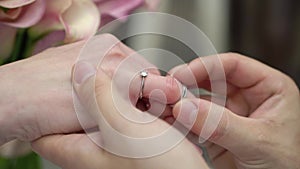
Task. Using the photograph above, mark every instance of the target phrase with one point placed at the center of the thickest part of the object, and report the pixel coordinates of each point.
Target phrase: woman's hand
(36, 93)
(260, 124)
(77, 151)
(36, 96)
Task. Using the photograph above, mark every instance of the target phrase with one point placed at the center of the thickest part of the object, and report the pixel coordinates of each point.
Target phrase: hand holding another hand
(36, 93)
(260, 125)
(61, 148)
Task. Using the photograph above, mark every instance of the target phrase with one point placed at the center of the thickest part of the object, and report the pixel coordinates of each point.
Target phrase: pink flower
(152, 4)
(82, 21)
(21, 13)
(113, 9)
(79, 18)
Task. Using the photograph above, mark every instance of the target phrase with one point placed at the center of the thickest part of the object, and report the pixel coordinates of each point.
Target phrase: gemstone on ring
(144, 73)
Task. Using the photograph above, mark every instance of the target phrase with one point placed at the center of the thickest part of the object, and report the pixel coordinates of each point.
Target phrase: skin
(260, 126)
(36, 93)
(33, 85)
(61, 148)
(253, 131)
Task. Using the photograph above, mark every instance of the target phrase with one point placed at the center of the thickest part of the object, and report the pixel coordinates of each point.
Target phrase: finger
(119, 121)
(170, 120)
(92, 90)
(240, 71)
(159, 110)
(120, 58)
(169, 88)
(162, 109)
(96, 95)
(211, 122)
(83, 78)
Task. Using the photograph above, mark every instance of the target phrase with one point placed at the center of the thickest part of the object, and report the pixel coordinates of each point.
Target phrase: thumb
(124, 130)
(84, 85)
(94, 89)
(216, 124)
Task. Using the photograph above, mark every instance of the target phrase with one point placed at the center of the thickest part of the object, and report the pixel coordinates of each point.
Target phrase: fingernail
(83, 70)
(188, 113)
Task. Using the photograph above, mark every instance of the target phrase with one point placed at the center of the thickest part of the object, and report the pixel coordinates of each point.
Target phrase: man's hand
(260, 124)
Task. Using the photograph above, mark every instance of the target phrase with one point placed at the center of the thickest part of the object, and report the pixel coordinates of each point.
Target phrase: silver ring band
(184, 91)
(143, 75)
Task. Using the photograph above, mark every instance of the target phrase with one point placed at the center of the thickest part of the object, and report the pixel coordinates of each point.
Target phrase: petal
(10, 15)
(29, 15)
(7, 36)
(81, 20)
(51, 20)
(50, 40)
(118, 8)
(152, 4)
(15, 3)
(98, 1)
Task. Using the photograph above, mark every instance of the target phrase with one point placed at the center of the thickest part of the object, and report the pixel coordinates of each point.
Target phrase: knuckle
(114, 58)
(109, 36)
(232, 55)
(290, 85)
(116, 52)
(116, 49)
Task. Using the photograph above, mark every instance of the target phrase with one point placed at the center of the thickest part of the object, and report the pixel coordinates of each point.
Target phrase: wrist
(6, 126)
(7, 106)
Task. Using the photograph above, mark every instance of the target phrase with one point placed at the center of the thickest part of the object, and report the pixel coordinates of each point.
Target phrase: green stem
(4, 9)
(23, 47)
(29, 47)
(18, 47)
(30, 161)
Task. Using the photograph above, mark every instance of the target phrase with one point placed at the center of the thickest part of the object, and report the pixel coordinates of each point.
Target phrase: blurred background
(265, 30)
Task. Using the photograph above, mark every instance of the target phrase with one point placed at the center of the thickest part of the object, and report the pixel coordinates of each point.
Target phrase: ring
(143, 75)
(184, 91)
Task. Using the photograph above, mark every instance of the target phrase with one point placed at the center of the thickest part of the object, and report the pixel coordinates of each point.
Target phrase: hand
(36, 96)
(76, 151)
(260, 125)
(36, 93)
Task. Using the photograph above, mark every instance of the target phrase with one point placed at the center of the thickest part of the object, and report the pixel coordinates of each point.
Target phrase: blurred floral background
(265, 30)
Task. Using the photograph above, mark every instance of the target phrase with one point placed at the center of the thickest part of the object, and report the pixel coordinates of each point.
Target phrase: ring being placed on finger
(143, 75)
(184, 91)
